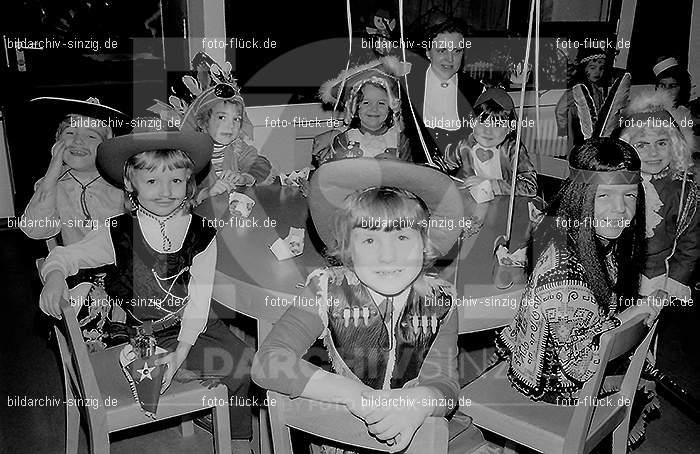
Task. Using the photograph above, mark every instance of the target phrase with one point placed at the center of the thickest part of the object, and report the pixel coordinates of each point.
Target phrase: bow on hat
(347, 85)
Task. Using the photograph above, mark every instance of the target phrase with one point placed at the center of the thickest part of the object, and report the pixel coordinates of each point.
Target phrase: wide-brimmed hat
(55, 109)
(333, 182)
(228, 91)
(112, 154)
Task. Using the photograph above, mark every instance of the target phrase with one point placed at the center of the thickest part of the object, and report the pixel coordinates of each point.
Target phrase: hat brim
(333, 182)
(59, 108)
(113, 153)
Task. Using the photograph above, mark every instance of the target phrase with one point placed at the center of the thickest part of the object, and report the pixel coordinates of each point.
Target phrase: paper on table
(240, 204)
(483, 192)
(291, 246)
(290, 179)
(517, 258)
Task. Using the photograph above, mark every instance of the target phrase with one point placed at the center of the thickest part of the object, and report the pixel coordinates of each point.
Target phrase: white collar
(433, 79)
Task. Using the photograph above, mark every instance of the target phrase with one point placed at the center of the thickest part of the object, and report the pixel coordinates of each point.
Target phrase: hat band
(591, 57)
(609, 177)
(663, 65)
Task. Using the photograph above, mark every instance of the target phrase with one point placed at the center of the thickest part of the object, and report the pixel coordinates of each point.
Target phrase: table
(250, 280)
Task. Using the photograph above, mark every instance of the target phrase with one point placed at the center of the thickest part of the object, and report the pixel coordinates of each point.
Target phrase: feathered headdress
(344, 88)
(601, 123)
(213, 83)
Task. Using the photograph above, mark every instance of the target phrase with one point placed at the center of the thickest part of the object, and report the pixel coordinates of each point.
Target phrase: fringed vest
(356, 337)
(149, 285)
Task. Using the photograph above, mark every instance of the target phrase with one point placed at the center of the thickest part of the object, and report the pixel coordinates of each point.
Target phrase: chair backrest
(79, 376)
(632, 335)
(334, 422)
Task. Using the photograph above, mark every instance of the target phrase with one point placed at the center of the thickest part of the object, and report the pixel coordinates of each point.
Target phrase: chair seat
(179, 399)
(500, 408)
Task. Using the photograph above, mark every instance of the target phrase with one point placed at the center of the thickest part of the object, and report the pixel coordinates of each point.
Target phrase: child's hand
(244, 179)
(355, 403)
(56, 164)
(219, 187)
(54, 290)
(655, 302)
(237, 178)
(396, 424)
(173, 361)
(473, 180)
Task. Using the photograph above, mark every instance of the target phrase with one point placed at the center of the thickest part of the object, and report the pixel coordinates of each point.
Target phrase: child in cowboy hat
(72, 199)
(389, 327)
(161, 261)
(220, 112)
(488, 153)
(370, 97)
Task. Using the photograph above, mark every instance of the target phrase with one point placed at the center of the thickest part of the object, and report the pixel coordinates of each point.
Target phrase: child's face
(671, 86)
(614, 208)
(489, 133)
(445, 54)
(374, 107)
(387, 262)
(595, 69)
(81, 145)
(653, 146)
(161, 190)
(225, 122)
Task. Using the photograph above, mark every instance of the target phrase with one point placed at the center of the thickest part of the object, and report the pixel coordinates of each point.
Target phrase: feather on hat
(601, 123)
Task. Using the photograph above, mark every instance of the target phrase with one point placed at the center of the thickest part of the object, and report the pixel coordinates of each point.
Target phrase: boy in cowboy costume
(160, 261)
(72, 198)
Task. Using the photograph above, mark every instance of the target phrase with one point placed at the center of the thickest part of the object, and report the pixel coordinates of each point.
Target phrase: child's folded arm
(526, 180)
(278, 365)
(94, 250)
(250, 162)
(440, 371)
(194, 318)
(42, 206)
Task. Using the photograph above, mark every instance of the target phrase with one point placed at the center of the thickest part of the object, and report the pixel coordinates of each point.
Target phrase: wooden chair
(498, 407)
(334, 422)
(98, 384)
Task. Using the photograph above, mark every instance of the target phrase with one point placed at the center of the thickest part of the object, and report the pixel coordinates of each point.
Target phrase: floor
(30, 368)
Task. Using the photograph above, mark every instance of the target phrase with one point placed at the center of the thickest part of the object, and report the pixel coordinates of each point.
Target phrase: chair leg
(265, 435)
(620, 435)
(256, 431)
(186, 426)
(222, 430)
(72, 429)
